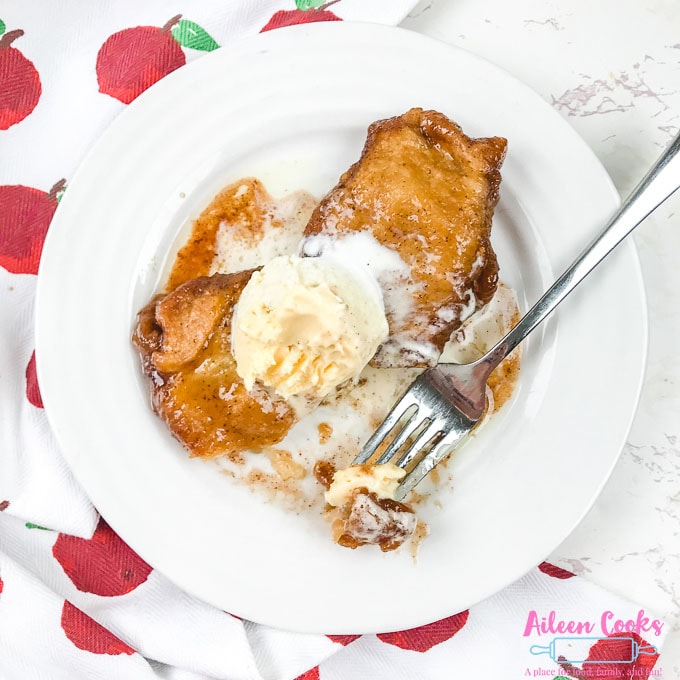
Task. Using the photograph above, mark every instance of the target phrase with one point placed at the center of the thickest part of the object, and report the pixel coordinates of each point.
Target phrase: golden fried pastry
(367, 519)
(242, 227)
(184, 339)
(361, 515)
(426, 191)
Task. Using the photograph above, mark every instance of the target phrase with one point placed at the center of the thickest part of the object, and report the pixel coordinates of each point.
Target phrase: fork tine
(411, 426)
(423, 440)
(430, 460)
(408, 401)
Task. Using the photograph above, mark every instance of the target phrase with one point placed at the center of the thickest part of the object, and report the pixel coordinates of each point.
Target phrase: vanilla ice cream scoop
(382, 480)
(303, 326)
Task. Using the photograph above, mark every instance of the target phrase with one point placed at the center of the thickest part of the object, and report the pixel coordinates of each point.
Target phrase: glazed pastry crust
(184, 339)
(428, 191)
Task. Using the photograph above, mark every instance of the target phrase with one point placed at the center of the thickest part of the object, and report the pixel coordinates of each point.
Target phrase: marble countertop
(612, 70)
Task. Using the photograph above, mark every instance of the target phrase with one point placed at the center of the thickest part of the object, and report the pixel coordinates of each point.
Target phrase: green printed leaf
(305, 5)
(3, 27)
(30, 525)
(191, 35)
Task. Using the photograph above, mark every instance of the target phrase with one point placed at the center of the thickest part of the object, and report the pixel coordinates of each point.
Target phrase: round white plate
(292, 107)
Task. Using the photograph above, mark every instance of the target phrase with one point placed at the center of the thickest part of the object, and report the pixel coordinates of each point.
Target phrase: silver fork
(442, 406)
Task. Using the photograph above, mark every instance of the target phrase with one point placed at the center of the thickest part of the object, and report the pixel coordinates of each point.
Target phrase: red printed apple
(133, 59)
(85, 633)
(311, 674)
(20, 87)
(103, 564)
(554, 571)
(425, 637)
(25, 215)
(344, 640)
(622, 656)
(32, 389)
(305, 12)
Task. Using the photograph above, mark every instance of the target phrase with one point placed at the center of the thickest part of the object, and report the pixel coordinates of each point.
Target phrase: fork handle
(662, 180)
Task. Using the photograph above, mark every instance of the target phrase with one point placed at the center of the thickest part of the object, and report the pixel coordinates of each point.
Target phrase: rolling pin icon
(610, 650)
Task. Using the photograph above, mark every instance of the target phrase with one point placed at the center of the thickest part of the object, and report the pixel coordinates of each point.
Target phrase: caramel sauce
(503, 380)
(242, 206)
(486, 284)
(504, 377)
(323, 472)
(325, 432)
(241, 228)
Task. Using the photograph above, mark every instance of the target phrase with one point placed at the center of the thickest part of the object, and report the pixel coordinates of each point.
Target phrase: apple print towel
(75, 600)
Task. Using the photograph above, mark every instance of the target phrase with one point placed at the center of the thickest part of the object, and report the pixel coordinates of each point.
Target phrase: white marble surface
(611, 68)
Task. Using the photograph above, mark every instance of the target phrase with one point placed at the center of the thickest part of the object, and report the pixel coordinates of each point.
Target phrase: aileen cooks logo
(574, 642)
(608, 624)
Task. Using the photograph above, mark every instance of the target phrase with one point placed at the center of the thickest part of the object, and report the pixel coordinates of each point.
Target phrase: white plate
(292, 106)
